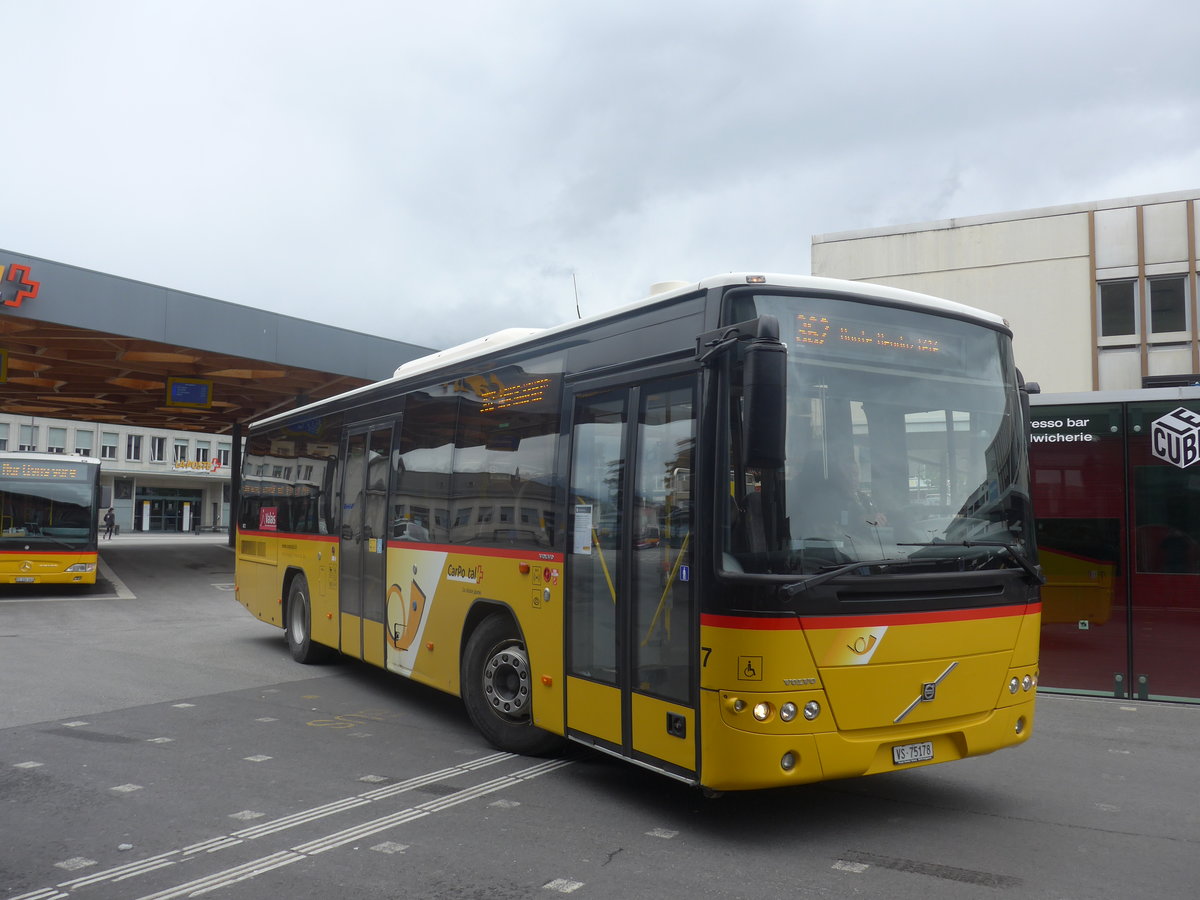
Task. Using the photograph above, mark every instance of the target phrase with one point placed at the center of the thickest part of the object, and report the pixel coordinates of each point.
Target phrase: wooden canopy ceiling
(62, 372)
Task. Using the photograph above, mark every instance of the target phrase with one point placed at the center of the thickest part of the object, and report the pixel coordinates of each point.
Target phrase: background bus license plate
(24, 579)
(911, 753)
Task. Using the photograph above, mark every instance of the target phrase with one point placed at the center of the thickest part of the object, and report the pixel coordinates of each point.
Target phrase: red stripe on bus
(290, 535)
(753, 623)
(48, 552)
(460, 549)
(470, 550)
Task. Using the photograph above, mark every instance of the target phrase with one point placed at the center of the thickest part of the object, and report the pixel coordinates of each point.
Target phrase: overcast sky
(432, 172)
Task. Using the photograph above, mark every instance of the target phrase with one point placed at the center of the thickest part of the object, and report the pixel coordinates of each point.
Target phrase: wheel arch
(480, 610)
(285, 589)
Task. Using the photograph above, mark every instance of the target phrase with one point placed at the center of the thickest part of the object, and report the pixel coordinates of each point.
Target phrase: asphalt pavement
(156, 742)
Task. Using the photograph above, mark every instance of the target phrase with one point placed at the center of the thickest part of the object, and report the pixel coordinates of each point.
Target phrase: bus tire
(497, 689)
(297, 626)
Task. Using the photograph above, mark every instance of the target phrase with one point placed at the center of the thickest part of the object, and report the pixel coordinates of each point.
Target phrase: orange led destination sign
(819, 330)
(43, 471)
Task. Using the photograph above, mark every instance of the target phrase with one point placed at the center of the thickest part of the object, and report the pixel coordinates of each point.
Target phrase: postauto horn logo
(1175, 437)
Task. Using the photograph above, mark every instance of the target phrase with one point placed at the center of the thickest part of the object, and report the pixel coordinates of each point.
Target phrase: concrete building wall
(1045, 271)
(192, 468)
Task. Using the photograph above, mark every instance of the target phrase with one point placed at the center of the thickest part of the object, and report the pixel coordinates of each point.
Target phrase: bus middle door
(363, 541)
(631, 632)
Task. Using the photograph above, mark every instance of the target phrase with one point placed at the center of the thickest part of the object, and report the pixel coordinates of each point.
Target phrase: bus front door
(631, 615)
(363, 541)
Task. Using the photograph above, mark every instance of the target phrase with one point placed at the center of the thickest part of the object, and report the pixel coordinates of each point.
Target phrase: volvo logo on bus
(928, 693)
(1175, 437)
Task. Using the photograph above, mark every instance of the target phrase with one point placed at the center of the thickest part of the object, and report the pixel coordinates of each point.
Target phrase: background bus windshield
(45, 510)
(902, 429)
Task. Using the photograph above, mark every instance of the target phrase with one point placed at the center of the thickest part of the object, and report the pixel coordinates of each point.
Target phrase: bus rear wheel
(497, 689)
(297, 626)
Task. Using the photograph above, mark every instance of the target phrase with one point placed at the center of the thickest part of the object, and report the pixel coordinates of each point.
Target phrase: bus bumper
(735, 758)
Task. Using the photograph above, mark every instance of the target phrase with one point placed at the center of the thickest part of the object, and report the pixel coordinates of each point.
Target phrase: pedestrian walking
(109, 521)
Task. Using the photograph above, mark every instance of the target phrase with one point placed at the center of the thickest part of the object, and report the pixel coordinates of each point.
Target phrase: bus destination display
(38, 470)
(821, 330)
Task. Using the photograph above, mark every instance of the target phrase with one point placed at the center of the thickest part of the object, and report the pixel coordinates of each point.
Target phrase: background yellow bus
(48, 518)
(749, 532)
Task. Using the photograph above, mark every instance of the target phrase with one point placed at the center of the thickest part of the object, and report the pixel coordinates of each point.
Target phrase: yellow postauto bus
(748, 532)
(48, 518)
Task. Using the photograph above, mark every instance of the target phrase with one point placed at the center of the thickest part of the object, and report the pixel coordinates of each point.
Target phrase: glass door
(363, 541)
(631, 617)
(1077, 455)
(1164, 487)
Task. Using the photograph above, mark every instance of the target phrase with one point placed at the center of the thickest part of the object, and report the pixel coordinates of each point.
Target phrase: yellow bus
(748, 532)
(48, 518)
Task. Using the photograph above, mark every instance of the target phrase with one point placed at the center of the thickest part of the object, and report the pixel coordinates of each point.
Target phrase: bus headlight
(1027, 682)
(81, 567)
(762, 711)
(812, 709)
(787, 712)
(1013, 685)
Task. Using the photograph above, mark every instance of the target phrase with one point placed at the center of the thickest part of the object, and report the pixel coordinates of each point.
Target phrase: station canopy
(79, 344)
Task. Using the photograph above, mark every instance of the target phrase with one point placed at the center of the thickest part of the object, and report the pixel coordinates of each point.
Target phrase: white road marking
(563, 885)
(75, 862)
(857, 868)
(245, 871)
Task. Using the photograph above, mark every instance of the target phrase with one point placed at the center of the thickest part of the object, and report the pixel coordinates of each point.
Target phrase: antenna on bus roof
(575, 284)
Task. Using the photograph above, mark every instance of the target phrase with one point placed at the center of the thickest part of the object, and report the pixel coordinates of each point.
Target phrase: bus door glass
(363, 540)
(631, 607)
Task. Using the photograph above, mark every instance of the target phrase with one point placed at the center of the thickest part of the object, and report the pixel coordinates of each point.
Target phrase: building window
(223, 451)
(29, 437)
(133, 447)
(1168, 306)
(108, 445)
(1118, 311)
(202, 451)
(83, 441)
(181, 450)
(56, 440)
(3, 435)
(158, 449)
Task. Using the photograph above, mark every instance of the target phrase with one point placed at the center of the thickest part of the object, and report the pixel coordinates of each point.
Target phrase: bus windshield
(903, 444)
(44, 511)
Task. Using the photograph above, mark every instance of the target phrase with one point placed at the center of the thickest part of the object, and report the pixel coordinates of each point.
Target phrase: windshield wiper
(1034, 572)
(811, 581)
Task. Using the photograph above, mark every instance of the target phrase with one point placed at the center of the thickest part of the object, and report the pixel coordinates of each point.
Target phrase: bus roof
(47, 457)
(514, 337)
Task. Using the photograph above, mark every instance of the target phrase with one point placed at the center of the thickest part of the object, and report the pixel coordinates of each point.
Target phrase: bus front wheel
(497, 689)
(297, 626)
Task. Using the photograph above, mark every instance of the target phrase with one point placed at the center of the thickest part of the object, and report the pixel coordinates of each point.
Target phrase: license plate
(912, 753)
(24, 579)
